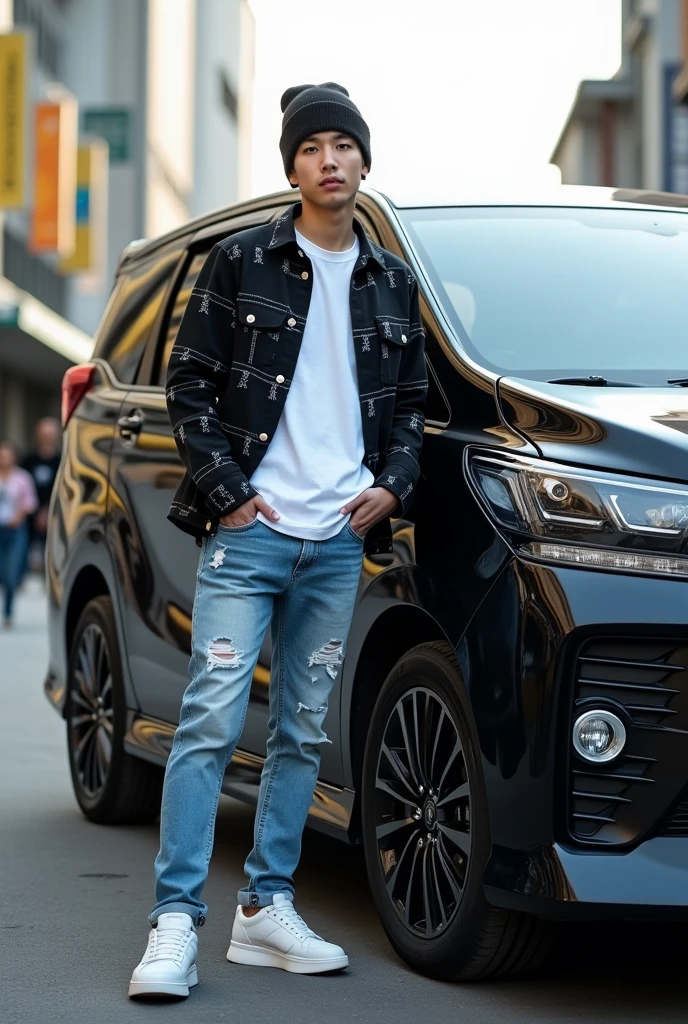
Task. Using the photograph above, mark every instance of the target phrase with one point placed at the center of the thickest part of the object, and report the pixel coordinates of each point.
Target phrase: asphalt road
(74, 899)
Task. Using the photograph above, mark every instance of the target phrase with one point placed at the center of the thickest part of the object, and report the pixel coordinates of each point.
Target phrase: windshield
(549, 292)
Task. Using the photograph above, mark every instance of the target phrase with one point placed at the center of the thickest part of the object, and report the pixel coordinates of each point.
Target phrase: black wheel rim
(422, 812)
(91, 712)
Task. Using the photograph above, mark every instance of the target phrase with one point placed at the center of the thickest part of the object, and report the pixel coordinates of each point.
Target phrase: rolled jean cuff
(178, 908)
(260, 899)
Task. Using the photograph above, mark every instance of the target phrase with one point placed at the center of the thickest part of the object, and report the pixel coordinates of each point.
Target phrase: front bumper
(648, 883)
(521, 657)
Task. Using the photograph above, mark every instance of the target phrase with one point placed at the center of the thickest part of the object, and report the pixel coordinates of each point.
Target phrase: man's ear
(293, 180)
(365, 171)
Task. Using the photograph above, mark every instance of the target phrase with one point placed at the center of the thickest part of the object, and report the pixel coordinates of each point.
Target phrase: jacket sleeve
(197, 375)
(400, 470)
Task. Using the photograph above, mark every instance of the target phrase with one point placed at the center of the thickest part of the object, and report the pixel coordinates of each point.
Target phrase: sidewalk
(29, 608)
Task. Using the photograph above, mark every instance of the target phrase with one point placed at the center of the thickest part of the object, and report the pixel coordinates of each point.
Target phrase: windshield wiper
(597, 382)
(679, 382)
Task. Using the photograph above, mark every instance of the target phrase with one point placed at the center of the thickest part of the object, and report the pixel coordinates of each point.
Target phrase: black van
(510, 727)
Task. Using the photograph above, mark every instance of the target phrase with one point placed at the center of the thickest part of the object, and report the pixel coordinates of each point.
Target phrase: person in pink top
(18, 499)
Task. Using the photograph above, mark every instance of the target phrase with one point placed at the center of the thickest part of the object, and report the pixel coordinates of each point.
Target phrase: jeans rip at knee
(223, 654)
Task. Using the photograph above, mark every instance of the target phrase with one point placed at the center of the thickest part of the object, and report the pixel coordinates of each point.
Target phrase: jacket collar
(284, 234)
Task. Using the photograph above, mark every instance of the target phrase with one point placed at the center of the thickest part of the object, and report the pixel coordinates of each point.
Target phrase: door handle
(130, 426)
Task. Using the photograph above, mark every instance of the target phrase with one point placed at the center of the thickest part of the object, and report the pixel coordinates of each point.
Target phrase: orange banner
(53, 220)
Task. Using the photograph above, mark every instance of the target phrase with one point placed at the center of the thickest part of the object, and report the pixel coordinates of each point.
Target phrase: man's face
(47, 436)
(328, 168)
(6, 457)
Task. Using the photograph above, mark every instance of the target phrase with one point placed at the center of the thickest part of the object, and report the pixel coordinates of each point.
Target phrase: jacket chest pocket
(257, 333)
(393, 338)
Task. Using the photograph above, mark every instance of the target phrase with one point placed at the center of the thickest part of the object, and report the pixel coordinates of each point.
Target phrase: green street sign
(112, 124)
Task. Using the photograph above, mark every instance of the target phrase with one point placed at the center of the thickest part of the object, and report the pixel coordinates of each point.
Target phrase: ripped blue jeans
(250, 577)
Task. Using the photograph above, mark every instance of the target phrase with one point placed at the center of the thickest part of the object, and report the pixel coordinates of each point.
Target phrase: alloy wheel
(91, 712)
(422, 812)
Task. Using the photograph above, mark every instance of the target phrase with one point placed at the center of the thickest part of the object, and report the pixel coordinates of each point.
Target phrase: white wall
(570, 156)
(218, 45)
(170, 113)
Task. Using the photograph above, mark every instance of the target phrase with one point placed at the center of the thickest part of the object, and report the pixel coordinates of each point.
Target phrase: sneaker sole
(255, 956)
(165, 988)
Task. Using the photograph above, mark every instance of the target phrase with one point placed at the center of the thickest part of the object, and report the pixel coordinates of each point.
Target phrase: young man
(296, 390)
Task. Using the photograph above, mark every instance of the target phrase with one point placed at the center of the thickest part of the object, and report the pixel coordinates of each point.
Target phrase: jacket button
(404, 338)
(291, 322)
(250, 318)
(279, 378)
(304, 275)
(262, 437)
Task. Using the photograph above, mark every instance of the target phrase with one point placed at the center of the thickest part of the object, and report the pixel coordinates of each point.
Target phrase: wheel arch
(95, 577)
(394, 632)
(88, 584)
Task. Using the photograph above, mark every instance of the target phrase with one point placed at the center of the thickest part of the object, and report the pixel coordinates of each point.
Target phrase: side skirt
(330, 811)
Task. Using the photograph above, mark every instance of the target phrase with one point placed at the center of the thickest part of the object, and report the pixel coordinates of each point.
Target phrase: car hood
(630, 430)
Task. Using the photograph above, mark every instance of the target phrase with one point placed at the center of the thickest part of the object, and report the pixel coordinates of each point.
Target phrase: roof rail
(132, 246)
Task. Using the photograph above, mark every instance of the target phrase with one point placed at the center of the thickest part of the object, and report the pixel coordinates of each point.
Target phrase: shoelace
(293, 921)
(169, 942)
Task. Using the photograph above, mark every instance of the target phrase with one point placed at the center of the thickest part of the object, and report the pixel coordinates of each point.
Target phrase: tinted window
(551, 292)
(178, 306)
(131, 313)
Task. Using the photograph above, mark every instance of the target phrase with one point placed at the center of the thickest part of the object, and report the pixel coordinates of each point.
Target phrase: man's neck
(328, 229)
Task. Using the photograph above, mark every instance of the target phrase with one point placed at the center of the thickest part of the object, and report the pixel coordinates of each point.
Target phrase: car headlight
(557, 513)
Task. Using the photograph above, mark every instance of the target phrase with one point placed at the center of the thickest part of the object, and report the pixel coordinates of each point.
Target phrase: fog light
(599, 736)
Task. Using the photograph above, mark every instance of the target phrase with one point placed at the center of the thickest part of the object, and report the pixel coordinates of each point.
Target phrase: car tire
(426, 862)
(111, 786)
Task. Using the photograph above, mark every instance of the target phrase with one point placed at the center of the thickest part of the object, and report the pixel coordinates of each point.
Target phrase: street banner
(91, 210)
(15, 130)
(112, 124)
(53, 222)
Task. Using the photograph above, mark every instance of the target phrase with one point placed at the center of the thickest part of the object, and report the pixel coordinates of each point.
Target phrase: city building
(168, 85)
(681, 81)
(631, 131)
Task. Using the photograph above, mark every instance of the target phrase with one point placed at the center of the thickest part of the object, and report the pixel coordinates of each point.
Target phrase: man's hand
(369, 507)
(247, 512)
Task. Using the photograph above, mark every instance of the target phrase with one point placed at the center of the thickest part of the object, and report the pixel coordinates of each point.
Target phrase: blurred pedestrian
(18, 500)
(284, 520)
(42, 463)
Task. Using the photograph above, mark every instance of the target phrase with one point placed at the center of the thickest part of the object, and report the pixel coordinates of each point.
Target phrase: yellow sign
(91, 210)
(14, 70)
(53, 223)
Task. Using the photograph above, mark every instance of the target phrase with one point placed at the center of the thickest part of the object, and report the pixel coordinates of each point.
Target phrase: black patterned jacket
(235, 354)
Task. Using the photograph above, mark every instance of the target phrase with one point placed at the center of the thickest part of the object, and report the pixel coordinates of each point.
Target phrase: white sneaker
(277, 937)
(168, 967)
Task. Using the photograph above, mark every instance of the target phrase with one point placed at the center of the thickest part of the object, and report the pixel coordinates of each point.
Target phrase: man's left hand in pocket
(370, 507)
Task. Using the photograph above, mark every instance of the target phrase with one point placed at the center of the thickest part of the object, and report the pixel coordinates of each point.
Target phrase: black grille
(676, 822)
(645, 683)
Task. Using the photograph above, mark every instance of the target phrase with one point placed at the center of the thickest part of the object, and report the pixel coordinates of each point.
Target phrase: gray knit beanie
(309, 109)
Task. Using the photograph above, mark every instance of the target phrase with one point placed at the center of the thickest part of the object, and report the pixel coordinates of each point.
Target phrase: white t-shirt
(314, 463)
